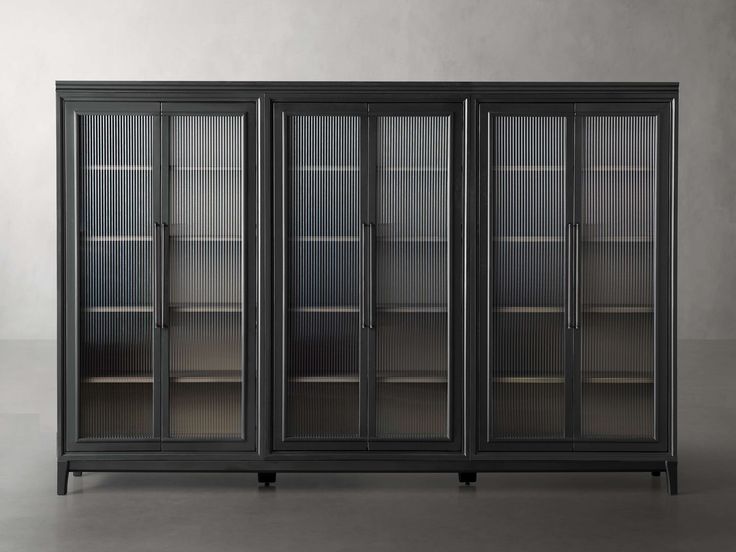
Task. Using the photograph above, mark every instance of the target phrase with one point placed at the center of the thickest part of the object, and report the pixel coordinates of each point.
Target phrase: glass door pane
(412, 249)
(206, 358)
(527, 190)
(321, 378)
(116, 168)
(618, 215)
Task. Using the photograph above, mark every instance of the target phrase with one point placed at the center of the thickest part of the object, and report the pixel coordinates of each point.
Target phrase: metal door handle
(157, 274)
(164, 275)
(577, 276)
(568, 256)
(366, 292)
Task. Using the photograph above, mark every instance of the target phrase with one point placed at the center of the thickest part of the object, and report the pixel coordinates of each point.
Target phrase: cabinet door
(623, 176)
(415, 213)
(209, 277)
(112, 182)
(525, 336)
(320, 390)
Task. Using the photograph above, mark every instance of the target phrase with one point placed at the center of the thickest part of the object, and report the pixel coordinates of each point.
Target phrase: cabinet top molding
(636, 90)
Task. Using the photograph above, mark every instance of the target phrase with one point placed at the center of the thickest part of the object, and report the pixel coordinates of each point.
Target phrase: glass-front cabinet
(570, 348)
(368, 276)
(160, 220)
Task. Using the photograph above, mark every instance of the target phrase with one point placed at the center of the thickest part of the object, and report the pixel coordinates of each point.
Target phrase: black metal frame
(470, 458)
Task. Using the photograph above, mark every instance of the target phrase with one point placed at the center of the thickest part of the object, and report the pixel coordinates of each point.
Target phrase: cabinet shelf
(387, 378)
(208, 239)
(619, 309)
(529, 239)
(204, 308)
(412, 309)
(618, 168)
(325, 168)
(324, 379)
(207, 376)
(529, 309)
(321, 239)
(618, 379)
(413, 239)
(118, 379)
(529, 168)
(117, 309)
(118, 168)
(116, 238)
(529, 379)
(337, 308)
(206, 169)
(620, 239)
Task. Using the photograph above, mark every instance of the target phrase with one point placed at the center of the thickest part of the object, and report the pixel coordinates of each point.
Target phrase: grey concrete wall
(693, 42)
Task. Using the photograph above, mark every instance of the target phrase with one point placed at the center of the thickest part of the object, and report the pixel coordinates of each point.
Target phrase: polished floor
(221, 512)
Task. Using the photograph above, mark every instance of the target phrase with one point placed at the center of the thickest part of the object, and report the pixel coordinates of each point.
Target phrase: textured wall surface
(690, 42)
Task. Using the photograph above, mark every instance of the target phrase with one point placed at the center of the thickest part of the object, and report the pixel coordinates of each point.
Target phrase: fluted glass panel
(618, 193)
(321, 367)
(115, 282)
(527, 249)
(412, 250)
(207, 187)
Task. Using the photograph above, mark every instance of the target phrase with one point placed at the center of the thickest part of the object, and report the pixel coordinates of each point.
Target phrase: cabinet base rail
(467, 470)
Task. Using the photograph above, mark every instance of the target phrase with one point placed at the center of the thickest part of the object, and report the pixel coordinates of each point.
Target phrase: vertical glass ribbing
(115, 258)
(527, 248)
(618, 194)
(412, 365)
(207, 186)
(322, 365)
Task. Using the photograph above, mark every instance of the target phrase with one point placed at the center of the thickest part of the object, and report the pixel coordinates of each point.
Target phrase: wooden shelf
(118, 309)
(215, 239)
(529, 168)
(618, 309)
(118, 168)
(618, 168)
(618, 379)
(412, 309)
(529, 309)
(206, 169)
(207, 376)
(336, 308)
(529, 239)
(118, 379)
(325, 168)
(324, 379)
(204, 308)
(116, 238)
(529, 379)
(413, 239)
(321, 239)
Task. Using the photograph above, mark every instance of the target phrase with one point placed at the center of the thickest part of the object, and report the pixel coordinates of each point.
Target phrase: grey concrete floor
(219, 512)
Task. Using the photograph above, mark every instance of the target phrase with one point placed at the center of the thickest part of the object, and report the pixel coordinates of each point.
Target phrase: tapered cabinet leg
(671, 477)
(62, 477)
(266, 478)
(77, 474)
(656, 473)
(467, 477)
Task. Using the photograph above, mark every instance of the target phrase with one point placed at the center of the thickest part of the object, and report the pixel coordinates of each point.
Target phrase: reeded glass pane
(413, 179)
(618, 192)
(207, 185)
(527, 241)
(321, 372)
(115, 257)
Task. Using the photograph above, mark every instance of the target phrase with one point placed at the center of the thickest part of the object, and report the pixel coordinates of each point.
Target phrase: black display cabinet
(452, 277)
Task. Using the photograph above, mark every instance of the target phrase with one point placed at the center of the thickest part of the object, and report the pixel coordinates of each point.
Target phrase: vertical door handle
(371, 283)
(157, 274)
(577, 276)
(164, 275)
(569, 306)
(366, 291)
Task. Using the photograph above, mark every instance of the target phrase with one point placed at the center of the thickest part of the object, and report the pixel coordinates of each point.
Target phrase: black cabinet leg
(467, 477)
(267, 478)
(656, 473)
(77, 474)
(62, 477)
(671, 477)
